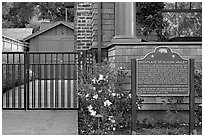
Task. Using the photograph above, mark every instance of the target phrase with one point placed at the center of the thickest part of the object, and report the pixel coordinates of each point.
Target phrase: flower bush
(104, 106)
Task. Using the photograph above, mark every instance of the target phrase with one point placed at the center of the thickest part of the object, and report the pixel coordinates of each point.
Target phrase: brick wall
(107, 21)
(83, 25)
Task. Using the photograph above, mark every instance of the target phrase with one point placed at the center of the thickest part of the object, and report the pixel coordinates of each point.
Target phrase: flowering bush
(104, 106)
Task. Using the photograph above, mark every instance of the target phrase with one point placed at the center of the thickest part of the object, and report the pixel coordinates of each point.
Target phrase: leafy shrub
(198, 90)
(175, 101)
(104, 106)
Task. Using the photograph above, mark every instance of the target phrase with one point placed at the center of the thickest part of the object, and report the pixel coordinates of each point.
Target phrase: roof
(17, 33)
(69, 25)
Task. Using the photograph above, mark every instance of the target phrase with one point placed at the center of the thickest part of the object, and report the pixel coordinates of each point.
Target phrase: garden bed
(156, 130)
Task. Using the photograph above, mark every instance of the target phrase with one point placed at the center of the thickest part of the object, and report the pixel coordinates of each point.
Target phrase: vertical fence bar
(7, 81)
(33, 80)
(51, 84)
(3, 84)
(13, 82)
(68, 81)
(27, 80)
(33, 91)
(56, 81)
(39, 82)
(74, 82)
(63, 81)
(19, 79)
(45, 80)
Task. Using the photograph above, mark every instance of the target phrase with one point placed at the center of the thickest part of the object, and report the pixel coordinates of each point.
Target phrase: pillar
(125, 22)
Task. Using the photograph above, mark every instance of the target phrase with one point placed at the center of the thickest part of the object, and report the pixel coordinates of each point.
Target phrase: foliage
(183, 24)
(173, 102)
(54, 11)
(198, 82)
(17, 14)
(104, 106)
(169, 24)
(149, 15)
(21, 14)
(198, 90)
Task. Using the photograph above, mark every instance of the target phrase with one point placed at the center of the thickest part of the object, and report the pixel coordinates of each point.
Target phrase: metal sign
(162, 73)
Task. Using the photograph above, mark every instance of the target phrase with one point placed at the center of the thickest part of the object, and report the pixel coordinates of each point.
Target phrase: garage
(57, 37)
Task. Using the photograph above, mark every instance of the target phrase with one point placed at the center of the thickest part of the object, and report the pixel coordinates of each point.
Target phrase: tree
(149, 15)
(21, 14)
(55, 11)
(169, 24)
(183, 24)
(17, 14)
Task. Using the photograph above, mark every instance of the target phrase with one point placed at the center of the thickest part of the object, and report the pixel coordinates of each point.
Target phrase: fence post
(26, 80)
(191, 98)
(133, 94)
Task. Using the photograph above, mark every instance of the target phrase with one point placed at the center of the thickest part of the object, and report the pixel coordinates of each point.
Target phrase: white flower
(94, 81)
(107, 103)
(129, 95)
(113, 94)
(112, 120)
(113, 128)
(87, 95)
(93, 113)
(90, 107)
(94, 88)
(100, 77)
(109, 90)
(95, 96)
(99, 91)
(106, 77)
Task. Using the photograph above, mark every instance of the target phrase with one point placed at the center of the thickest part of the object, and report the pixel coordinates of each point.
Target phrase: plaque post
(191, 98)
(133, 94)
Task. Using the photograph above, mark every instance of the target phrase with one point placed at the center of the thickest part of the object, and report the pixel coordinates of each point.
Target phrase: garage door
(56, 43)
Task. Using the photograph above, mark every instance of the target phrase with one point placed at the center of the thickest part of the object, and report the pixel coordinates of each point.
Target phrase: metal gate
(39, 80)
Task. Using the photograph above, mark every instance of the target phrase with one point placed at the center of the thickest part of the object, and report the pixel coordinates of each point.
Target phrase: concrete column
(125, 22)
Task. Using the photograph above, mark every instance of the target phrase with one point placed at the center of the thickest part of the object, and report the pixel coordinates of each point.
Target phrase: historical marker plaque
(162, 73)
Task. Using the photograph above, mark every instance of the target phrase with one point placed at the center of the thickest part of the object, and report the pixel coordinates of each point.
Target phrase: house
(12, 45)
(12, 38)
(17, 33)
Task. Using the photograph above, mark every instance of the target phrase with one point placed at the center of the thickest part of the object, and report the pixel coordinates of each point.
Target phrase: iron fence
(39, 80)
